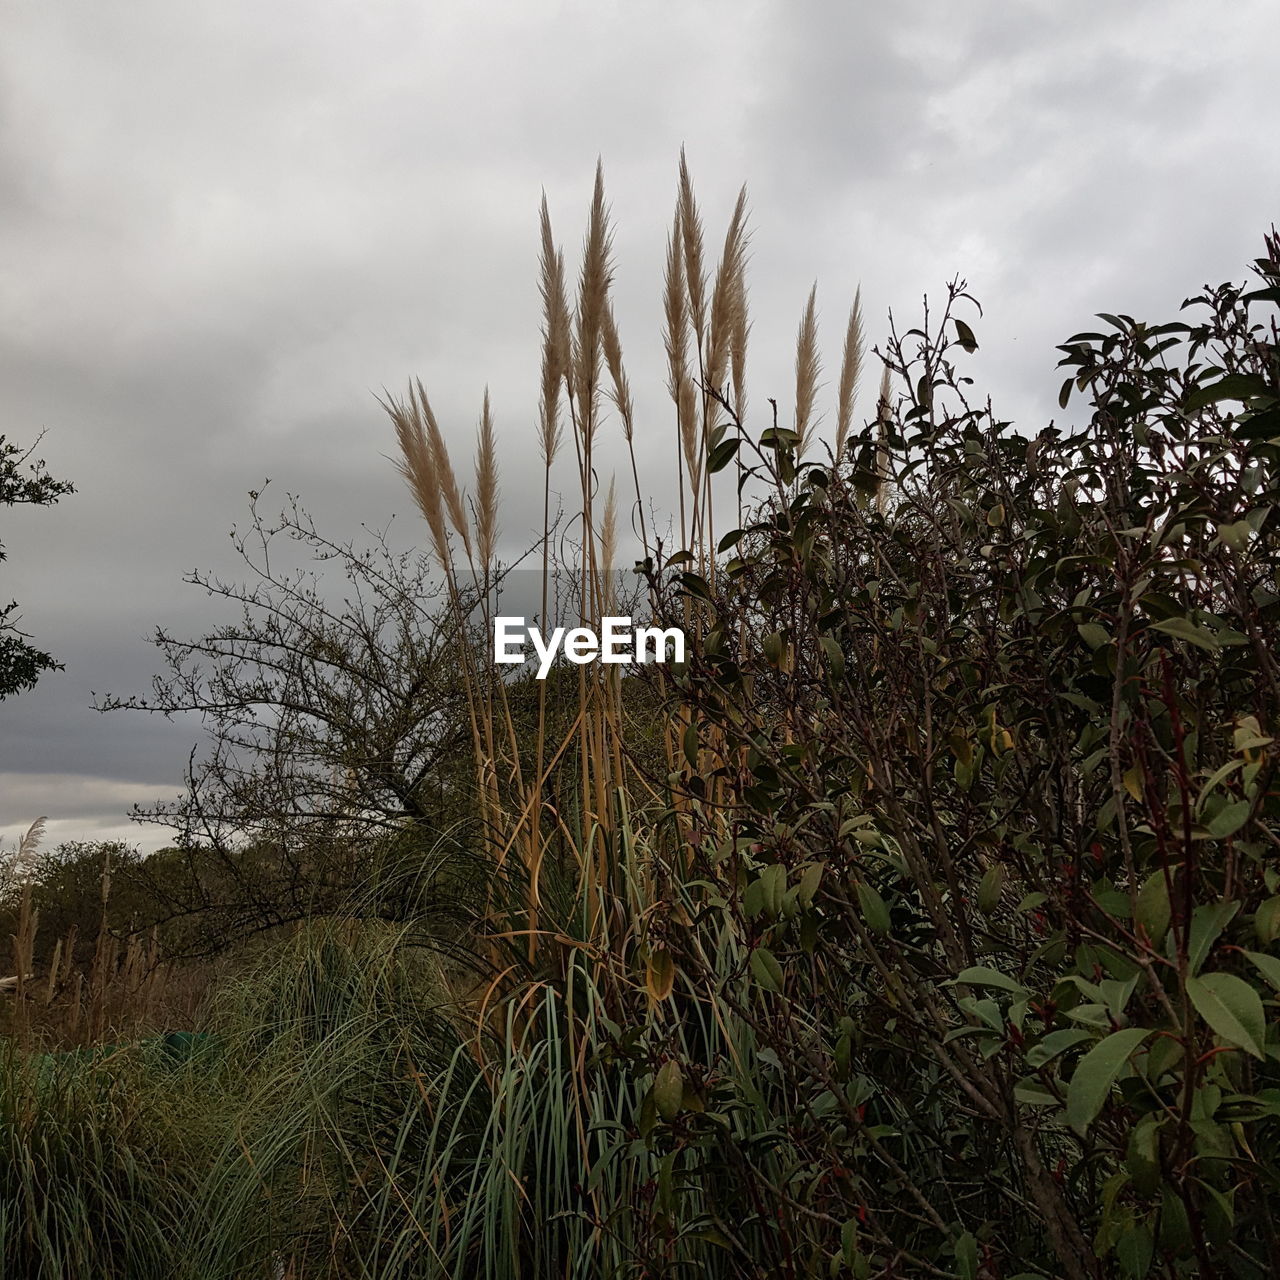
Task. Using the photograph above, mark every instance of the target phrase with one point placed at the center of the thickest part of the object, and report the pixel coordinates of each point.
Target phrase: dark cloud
(225, 228)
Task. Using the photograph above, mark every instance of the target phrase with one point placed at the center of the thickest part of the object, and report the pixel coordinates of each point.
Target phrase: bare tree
(336, 723)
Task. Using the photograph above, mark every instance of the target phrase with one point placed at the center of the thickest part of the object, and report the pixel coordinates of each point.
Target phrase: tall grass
(380, 1113)
(94, 1180)
(705, 337)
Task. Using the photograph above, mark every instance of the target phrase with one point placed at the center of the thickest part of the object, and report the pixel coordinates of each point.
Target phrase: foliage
(21, 663)
(66, 891)
(925, 922)
(92, 1180)
(327, 722)
(1003, 846)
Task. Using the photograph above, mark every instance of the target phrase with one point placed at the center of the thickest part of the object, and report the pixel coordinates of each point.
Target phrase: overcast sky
(225, 227)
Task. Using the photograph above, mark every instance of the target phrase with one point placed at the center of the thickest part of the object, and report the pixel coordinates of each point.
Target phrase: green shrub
(92, 1179)
(998, 755)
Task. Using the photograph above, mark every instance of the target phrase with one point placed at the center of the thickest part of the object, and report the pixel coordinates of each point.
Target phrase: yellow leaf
(660, 975)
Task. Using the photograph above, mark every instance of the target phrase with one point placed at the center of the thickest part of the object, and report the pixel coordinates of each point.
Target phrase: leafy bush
(1002, 847)
(925, 922)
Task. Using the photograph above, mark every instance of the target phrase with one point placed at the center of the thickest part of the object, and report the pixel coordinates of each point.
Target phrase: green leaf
(766, 970)
(967, 1256)
(1230, 767)
(874, 910)
(1235, 535)
(965, 336)
(1232, 1008)
(1207, 923)
(990, 889)
(668, 1090)
(1175, 1227)
(1096, 1073)
(1154, 912)
(1266, 921)
(690, 743)
(849, 1240)
(1031, 1093)
(1094, 634)
(722, 454)
(1235, 386)
(1182, 629)
(981, 976)
(1248, 734)
(835, 655)
(753, 899)
(1231, 819)
(1219, 1216)
(1055, 1043)
(809, 883)
(695, 585)
(1134, 1251)
(1142, 1158)
(773, 884)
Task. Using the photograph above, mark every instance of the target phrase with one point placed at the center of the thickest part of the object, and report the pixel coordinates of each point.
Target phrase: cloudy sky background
(224, 228)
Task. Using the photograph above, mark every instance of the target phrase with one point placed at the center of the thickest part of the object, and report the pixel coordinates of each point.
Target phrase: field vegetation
(925, 922)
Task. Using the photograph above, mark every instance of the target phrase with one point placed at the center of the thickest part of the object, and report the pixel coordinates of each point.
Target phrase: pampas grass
(807, 368)
(728, 298)
(850, 372)
(378, 1114)
(555, 338)
(22, 870)
(486, 512)
(417, 464)
(705, 330)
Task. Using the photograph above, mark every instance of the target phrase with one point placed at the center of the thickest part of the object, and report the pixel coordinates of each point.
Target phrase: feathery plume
(726, 295)
(609, 545)
(555, 338)
(882, 398)
(691, 231)
(25, 856)
(688, 411)
(621, 394)
(850, 372)
(675, 332)
(486, 487)
(676, 339)
(418, 469)
(593, 293)
(443, 469)
(738, 343)
(807, 367)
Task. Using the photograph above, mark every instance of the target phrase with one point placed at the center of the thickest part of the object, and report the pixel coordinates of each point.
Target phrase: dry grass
(126, 990)
(486, 488)
(808, 367)
(705, 331)
(850, 373)
(22, 871)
